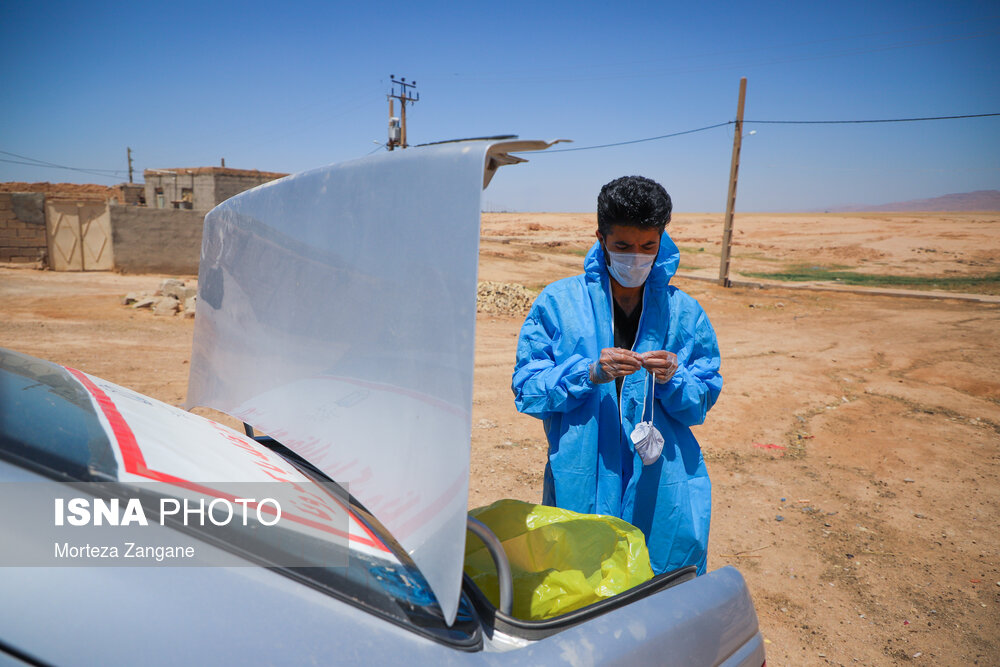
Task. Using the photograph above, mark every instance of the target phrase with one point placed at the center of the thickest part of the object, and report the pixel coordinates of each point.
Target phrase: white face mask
(648, 442)
(630, 269)
(647, 438)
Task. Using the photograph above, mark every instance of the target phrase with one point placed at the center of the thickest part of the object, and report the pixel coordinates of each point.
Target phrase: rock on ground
(170, 287)
(166, 305)
(503, 298)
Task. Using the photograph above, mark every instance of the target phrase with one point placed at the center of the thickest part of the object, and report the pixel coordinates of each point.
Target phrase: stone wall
(173, 184)
(149, 240)
(132, 194)
(209, 186)
(231, 184)
(22, 227)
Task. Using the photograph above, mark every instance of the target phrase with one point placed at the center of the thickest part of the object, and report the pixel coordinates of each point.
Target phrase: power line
(52, 164)
(34, 162)
(637, 141)
(85, 171)
(878, 120)
(111, 173)
(773, 122)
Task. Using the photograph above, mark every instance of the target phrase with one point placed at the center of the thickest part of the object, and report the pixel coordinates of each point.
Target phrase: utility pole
(129, 164)
(734, 170)
(397, 130)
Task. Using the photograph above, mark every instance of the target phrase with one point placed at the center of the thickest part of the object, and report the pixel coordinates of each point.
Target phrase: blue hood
(595, 265)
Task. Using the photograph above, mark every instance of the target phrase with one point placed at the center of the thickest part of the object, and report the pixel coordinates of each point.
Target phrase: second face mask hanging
(647, 438)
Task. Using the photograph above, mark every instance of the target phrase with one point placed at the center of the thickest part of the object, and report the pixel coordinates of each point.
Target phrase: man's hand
(660, 363)
(615, 362)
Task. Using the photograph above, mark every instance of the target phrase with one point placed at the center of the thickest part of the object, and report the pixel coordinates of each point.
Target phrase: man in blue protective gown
(603, 352)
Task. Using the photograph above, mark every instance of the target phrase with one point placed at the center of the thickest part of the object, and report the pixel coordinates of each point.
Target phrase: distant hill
(980, 200)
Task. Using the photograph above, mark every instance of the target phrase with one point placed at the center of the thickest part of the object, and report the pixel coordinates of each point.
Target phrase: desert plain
(854, 451)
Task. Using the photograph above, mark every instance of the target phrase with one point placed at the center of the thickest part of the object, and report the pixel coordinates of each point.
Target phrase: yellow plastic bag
(560, 560)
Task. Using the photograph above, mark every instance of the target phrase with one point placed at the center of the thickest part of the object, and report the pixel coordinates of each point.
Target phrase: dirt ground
(854, 452)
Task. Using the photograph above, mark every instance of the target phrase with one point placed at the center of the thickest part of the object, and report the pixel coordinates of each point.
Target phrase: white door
(63, 223)
(95, 237)
(79, 235)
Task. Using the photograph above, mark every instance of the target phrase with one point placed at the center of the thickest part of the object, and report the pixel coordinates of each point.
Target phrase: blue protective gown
(593, 467)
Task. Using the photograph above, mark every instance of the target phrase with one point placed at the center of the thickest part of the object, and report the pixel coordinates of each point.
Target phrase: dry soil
(854, 452)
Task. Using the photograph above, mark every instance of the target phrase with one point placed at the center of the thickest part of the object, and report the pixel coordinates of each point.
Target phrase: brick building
(22, 228)
(128, 227)
(200, 188)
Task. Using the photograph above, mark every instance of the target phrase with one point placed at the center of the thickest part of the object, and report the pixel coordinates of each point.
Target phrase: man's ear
(600, 237)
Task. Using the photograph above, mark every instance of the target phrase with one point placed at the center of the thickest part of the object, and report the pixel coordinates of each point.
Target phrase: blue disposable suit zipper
(642, 314)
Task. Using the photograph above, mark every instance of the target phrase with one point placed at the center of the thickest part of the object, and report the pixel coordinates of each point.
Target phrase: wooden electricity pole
(403, 96)
(129, 164)
(734, 170)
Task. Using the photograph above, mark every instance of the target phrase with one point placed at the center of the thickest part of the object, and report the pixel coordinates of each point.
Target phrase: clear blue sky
(292, 86)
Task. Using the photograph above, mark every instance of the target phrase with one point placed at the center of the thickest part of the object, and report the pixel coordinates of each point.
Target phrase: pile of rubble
(503, 298)
(173, 297)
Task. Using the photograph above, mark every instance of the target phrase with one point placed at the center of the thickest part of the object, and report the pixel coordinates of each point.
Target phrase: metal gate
(79, 234)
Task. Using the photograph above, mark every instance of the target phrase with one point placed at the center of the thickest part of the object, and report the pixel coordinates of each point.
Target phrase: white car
(336, 314)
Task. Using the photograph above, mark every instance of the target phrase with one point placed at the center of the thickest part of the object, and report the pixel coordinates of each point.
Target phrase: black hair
(635, 201)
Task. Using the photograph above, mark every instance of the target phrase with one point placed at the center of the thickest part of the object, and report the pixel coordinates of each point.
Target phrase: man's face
(636, 240)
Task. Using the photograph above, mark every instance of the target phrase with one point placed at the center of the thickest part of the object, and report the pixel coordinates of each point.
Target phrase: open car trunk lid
(336, 313)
